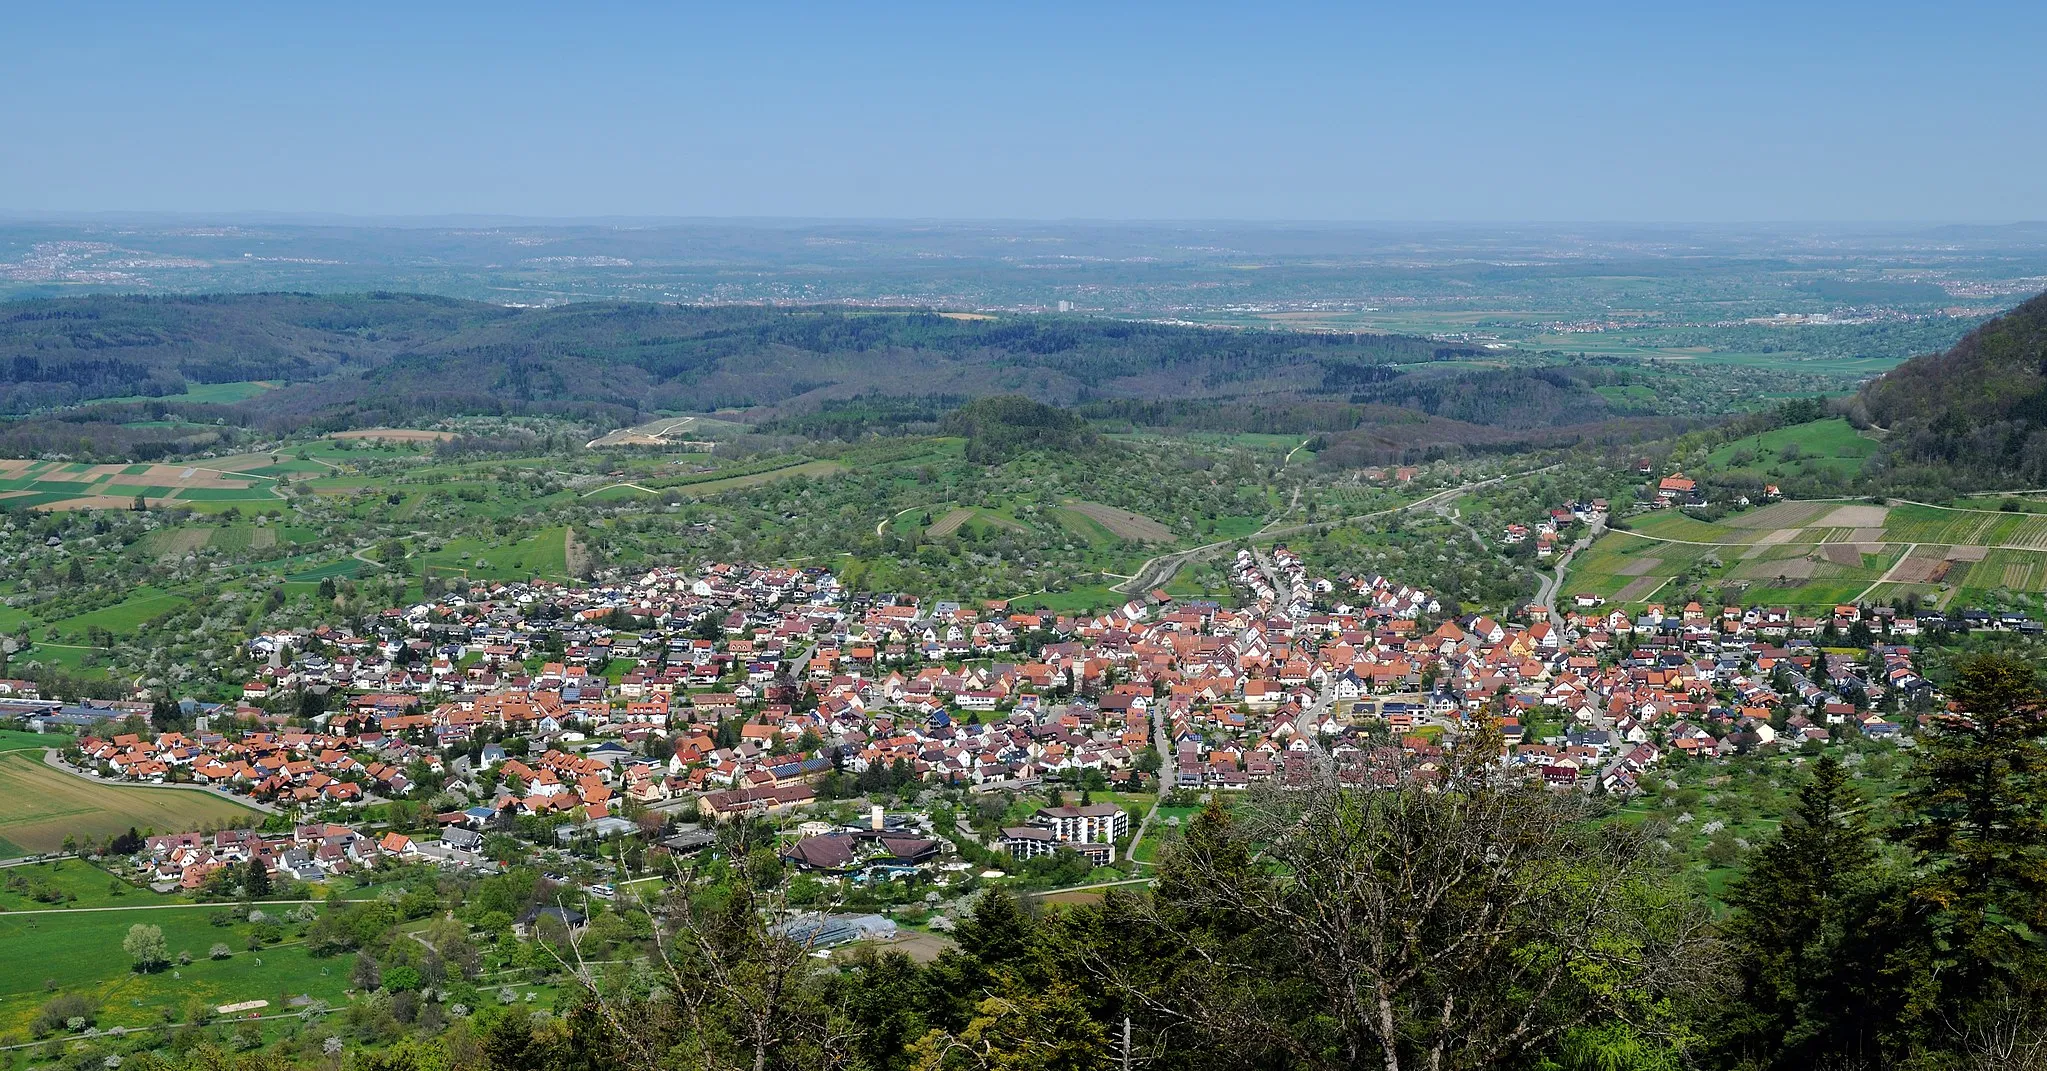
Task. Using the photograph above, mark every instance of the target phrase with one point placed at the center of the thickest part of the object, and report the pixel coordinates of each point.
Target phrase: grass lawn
(544, 553)
(17, 740)
(1079, 600)
(1671, 524)
(1164, 832)
(221, 393)
(40, 806)
(1832, 444)
(81, 953)
(81, 883)
(126, 615)
(345, 567)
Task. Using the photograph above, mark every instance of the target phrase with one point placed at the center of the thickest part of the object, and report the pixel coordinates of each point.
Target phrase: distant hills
(1974, 416)
(106, 367)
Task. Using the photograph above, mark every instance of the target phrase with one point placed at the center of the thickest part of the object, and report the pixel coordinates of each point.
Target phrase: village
(664, 704)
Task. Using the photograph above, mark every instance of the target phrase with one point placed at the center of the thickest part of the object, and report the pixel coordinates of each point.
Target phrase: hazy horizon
(1478, 113)
(317, 217)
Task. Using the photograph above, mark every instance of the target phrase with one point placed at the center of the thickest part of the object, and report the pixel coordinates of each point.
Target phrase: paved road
(1167, 772)
(51, 760)
(1553, 584)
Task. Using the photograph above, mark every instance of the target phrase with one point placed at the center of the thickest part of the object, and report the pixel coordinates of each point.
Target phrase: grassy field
(218, 393)
(1831, 445)
(79, 883)
(81, 953)
(17, 740)
(1098, 537)
(543, 553)
(1080, 599)
(124, 616)
(40, 806)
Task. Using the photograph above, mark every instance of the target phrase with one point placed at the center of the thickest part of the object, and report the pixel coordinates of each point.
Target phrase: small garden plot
(1780, 570)
(2031, 532)
(1791, 515)
(1917, 570)
(1122, 522)
(1856, 517)
(1849, 554)
(171, 544)
(1640, 588)
(950, 523)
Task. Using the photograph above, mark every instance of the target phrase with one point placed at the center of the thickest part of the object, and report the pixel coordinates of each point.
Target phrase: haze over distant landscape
(1474, 111)
(1053, 537)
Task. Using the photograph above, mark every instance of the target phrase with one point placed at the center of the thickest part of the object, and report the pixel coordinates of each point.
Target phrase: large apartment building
(1091, 830)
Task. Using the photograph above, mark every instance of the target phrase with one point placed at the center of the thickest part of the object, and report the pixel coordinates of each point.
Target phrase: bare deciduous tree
(2006, 1033)
(1376, 913)
(731, 985)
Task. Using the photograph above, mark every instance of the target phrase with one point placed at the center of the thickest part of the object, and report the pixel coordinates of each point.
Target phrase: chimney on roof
(875, 818)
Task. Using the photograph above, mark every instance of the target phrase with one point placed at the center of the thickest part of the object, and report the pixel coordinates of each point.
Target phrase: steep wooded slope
(1975, 415)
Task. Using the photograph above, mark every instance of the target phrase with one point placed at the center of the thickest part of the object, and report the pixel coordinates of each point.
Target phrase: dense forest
(1002, 426)
(77, 367)
(634, 355)
(1975, 416)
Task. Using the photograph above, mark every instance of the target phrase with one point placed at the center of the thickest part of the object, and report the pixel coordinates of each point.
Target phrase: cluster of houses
(1702, 626)
(738, 691)
(312, 851)
(1548, 530)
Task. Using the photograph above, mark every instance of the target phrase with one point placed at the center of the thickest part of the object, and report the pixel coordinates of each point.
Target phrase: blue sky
(1437, 111)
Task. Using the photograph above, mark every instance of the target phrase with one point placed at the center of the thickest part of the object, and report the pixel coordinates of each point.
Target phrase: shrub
(63, 1009)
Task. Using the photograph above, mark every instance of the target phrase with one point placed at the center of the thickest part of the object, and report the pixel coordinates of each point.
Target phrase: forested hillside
(1973, 416)
(76, 365)
(78, 349)
(442, 352)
